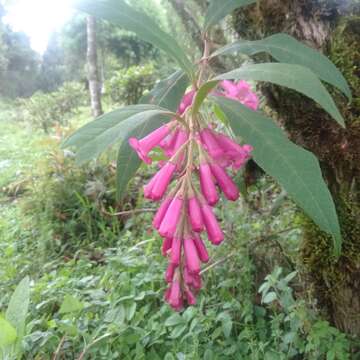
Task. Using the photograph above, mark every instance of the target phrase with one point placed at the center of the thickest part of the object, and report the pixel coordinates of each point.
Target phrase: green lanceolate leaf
(202, 93)
(18, 306)
(7, 334)
(295, 77)
(284, 48)
(218, 9)
(95, 137)
(168, 92)
(296, 169)
(120, 13)
(128, 161)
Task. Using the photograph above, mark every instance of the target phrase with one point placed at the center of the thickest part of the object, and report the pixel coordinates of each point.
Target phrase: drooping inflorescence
(198, 157)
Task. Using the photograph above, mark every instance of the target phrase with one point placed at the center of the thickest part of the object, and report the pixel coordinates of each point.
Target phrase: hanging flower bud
(159, 216)
(207, 184)
(228, 187)
(157, 188)
(171, 219)
(166, 245)
(191, 256)
(169, 274)
(201, 249)
(195, 215)
(213, 229)
(176, 250)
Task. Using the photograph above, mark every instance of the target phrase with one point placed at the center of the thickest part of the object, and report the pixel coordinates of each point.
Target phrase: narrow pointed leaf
(120, 13)
(95, 137)
(168, 92)
(104, 122)
(295, 77)
(128, 161)
(218, 9)
(284, 48)
(296, 169)
(202, 93)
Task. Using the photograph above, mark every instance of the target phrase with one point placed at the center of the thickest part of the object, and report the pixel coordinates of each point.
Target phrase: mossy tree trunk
(334, 28)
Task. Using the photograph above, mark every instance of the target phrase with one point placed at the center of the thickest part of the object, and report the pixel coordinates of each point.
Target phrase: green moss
(345, 54)
(329, 274)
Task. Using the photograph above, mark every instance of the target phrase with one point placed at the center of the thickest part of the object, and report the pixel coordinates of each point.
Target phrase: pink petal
(207, 184)
(225, 182)
(195, 215)
(213, 229)
(191, 256)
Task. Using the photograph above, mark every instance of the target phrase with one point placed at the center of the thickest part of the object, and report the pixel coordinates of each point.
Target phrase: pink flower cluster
(196, 153)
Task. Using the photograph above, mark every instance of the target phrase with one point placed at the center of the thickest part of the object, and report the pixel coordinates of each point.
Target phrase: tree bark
(92, 68)
(189, 22)
(334, 28)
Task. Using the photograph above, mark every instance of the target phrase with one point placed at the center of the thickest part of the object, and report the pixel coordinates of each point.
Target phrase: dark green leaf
(295, 77)
(168, 92)
(103, 123)
(120, 13)
(286, 49)
(128, 161)
(95, 137)
(296, 169)
(219, 9)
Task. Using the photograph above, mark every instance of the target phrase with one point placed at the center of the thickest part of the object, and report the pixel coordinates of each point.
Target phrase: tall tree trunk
(92, 68)
(333, 27)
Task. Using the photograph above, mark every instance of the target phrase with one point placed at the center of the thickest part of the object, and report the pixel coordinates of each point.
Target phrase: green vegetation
(96, 278)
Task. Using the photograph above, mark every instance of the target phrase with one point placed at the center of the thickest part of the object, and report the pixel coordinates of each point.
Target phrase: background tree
(334, 27)
(93, 71)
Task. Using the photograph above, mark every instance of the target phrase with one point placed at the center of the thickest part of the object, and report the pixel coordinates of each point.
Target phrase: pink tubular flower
(211, 145)
(186, 102)
(150, 185)
(146, 144)
(190, 298)
(169, 274)
(167, 144)
(201, 249)
(166, 245)
(159, 216)
(193, 280)
(174, 296)
(241, 92)
(213, 229)
(207, 184)
(163, 177)
(191, 256)
(225, 182)
(171, 218)
(195, 215)
(176, 251)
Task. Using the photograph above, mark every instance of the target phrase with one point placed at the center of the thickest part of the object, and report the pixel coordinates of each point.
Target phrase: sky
(38, 19)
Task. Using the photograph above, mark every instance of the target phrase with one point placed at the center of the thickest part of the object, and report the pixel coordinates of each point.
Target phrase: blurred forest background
(94, 264)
